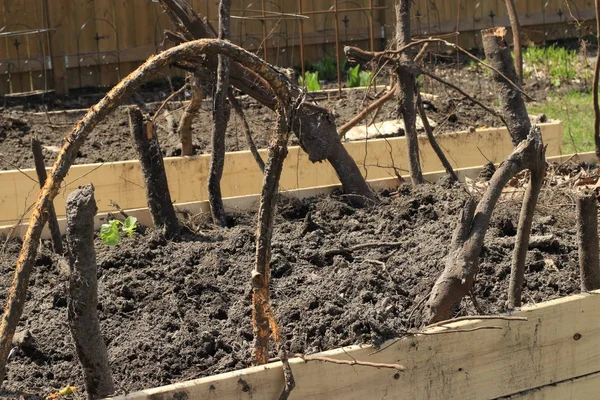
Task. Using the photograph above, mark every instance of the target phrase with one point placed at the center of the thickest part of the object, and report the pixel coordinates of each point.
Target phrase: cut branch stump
(587, 238)
(152, 165)
(83, 294)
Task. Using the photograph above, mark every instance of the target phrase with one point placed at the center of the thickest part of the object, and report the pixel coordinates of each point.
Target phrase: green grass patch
(575, 110)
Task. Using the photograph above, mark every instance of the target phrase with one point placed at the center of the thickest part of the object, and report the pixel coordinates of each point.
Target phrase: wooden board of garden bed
(122, 183)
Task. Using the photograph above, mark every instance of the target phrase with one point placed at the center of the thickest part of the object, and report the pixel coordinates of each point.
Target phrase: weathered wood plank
(122, 182)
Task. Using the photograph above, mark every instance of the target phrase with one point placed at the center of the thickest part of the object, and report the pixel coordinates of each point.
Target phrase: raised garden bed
(122, 183)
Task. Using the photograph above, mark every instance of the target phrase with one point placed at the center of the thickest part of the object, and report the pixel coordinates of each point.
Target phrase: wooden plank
(381, 158)
(559, 341)
(251, 201)
(582, 388)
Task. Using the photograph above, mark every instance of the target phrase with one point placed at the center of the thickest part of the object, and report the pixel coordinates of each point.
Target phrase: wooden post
(153, 169)
(40, 169)
(57, 51)
(587, 238)
(83, 294)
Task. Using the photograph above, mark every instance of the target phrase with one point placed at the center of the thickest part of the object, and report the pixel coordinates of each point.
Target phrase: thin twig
(363, 114)
(459, 90)
(288, 376)
(475, 318)
(306, 358)
(164, 103)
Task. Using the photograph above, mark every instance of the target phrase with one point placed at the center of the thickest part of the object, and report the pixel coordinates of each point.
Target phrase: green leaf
(130, 225)
(353, 76)
(109, 233)
(365, 78)
(312, 81)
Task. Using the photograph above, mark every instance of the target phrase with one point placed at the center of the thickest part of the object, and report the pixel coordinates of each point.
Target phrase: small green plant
(365, 78)
(110, 234)
(353, 76)
(311, 81)
(557, 63)
(357, 78)
(326, 69)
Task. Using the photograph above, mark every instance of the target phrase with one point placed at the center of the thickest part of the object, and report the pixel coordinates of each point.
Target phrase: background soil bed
(176, 311)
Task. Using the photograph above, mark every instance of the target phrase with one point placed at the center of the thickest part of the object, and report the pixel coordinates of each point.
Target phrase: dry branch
(220, 114)
(313, 125)
(511, 103)
(596, 82)
(462, 262)
(516, 31)
(587, 238)
(407, 103)
(185, 124)
(153, 170)
(517, 273)
(432, 141)
(83, 294)
(366, 111)
(235, 104)
(288, 376)
(74, 141)
(306, 358)
(40, 169)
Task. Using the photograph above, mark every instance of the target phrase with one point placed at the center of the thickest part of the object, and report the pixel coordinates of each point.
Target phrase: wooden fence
(62, 44)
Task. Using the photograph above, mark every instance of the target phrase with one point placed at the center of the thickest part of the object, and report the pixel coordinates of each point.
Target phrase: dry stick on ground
(313, 125)
(587, 238)
(235, 104)
(462, 262)
(432, 141)
(407, 107)
(366, 111)
(83, 294)
(220, 113)
(74, 140)
(146, 143)
(516, 31)
(185, 124)
(40, 169)
(307, 358)
(596, 82)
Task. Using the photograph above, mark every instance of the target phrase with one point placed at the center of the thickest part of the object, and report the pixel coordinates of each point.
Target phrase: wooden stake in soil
(40, 169)
(83, 294)
(153, 168)
(220, 114)
(587, 238)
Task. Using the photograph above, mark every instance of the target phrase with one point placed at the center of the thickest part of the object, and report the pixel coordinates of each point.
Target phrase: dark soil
(111, 141)
(172, 311)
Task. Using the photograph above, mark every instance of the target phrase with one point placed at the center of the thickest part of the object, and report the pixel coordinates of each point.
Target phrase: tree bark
(511, 102)
(407, 106)
(516, 31)
(155, 177)
(462, 261)
(185, 124)
(221, 113)
(253, 84)
(186, 52)
(40, 169)
(517, 272)
(587, 237)
(83, 294)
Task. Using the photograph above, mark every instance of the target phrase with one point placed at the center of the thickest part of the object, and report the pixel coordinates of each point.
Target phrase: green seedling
(353, 76)
(110, 234)
(311, 81)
